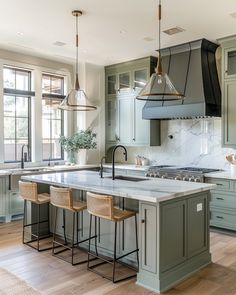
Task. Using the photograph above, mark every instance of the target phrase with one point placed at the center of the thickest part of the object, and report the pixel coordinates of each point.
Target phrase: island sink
(128, 178)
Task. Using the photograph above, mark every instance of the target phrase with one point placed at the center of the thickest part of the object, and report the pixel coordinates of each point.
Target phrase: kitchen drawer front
(223, 218)
(222, 184)
(223, 200)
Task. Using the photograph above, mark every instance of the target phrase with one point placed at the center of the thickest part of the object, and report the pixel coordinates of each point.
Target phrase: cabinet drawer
(223, 200)
(222, 184)
(223, 218)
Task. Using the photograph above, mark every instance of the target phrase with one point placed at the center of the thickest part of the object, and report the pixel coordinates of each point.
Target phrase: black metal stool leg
(64, 226)
(24, 219)
(54, 230)
(38, 226)
(136, 233)
(114, 259)
(96, 245)
(90, 229)
(73, 239)
(77, 228)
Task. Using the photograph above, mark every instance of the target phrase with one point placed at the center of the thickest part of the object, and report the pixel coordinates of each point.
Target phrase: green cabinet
(228, 91)
(16, 203)
(4, 184)
(124, 123)
(148, 237)
(229, 111)
(173, 235)
(223, 203)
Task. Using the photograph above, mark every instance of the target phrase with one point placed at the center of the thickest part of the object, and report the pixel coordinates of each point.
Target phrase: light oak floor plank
(52, 276)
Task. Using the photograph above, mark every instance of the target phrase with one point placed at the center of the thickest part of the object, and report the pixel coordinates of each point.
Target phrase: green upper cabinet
(124, 123)
(230, 62)
(228, 92)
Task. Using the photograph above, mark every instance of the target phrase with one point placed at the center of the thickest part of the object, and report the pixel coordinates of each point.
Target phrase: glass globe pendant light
(160, 87)
(76, 100)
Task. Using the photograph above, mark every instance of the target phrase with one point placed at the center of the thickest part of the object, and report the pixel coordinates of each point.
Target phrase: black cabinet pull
(219, 217)
(220, 184)
(219, 198)
(142, 220)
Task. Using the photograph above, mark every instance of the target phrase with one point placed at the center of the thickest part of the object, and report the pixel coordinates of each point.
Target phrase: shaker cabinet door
(173, 235)
(229, 111)
(148, 237)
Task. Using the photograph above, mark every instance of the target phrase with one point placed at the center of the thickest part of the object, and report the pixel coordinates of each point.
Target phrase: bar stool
(28, 191)
(102, 206)
(62, 198)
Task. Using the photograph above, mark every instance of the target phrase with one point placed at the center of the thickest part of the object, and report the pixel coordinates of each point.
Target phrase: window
(52, 117)
(17, 107)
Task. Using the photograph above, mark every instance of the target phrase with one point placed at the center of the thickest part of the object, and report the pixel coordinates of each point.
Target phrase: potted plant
(84, 139)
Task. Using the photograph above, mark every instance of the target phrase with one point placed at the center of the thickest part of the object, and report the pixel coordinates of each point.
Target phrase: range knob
(178, 177)
(186, 178)
(192, 179)
(151, 174)
(156, 175)
(147, 174)
(197, 179)
(164, 176)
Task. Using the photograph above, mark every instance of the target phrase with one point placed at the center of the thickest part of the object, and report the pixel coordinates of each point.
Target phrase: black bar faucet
(113, 158)
(23, 156)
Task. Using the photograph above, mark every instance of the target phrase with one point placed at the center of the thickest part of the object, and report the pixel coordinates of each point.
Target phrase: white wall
(92, 80)
(195, 142)
(37, 66)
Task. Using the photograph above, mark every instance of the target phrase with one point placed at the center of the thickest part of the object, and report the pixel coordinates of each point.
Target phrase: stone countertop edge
(230, 175)
(152, 193)
(49, 169)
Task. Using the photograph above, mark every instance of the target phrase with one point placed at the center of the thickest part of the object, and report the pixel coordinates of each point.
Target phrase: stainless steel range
(193, 174)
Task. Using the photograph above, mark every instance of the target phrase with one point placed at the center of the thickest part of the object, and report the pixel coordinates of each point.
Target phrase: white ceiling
(43, 22)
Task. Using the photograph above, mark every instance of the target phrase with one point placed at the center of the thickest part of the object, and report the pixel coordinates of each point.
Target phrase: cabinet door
(140, 78)
(197, 231)
(141, 127)
(230, 63)
(126, 119)
(111, 120)
(148, 237)
(124, 81)
(229, 111)
(173, 235)
(111, 84)
(16, 204)
(3, 196)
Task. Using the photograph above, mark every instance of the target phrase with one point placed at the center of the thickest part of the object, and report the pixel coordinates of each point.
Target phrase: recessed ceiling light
(173, 31)
(59, 43)
(20, 33)
(233, 14)
(148, 39)
(123, 31)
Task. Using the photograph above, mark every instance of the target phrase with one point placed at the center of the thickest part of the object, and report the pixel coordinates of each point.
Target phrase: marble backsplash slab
(195, 142)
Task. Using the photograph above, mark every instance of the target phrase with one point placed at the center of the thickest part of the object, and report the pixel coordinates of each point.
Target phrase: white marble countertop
(151, 190)
(43, 169)
(126, 166)
(230, 174)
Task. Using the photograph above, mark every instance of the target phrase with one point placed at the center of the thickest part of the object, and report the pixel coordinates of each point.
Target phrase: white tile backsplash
(196, 142)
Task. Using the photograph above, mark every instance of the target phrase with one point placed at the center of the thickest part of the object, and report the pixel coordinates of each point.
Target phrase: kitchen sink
(129, 178)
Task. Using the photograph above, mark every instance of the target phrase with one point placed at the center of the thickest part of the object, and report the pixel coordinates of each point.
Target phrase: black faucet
(113, 158)
(101, 166)
(23, 156)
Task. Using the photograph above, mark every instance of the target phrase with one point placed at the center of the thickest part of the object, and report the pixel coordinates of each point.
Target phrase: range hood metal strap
(168, 72)
(187, 73)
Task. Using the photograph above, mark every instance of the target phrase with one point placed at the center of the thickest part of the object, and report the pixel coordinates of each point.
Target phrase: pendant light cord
(159, 20)
(77, 55)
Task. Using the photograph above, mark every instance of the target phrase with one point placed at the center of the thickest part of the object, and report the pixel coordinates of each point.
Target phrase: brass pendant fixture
(77, 100)
(160, 87)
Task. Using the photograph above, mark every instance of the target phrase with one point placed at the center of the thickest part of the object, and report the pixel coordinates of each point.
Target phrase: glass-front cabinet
(230, 63)
(124, 123)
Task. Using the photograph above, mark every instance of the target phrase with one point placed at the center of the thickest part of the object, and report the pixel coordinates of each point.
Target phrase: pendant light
(76, 100)
(160, 87)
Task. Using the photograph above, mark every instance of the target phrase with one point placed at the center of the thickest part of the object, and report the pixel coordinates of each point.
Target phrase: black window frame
(19, 93)
(50, 97)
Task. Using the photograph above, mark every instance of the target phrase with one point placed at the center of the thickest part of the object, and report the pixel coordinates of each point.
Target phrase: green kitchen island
(173, 222)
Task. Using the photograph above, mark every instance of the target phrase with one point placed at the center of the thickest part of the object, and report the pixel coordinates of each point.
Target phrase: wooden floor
(50, 275)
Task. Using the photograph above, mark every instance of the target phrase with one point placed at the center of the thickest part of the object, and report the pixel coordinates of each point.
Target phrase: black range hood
(192, 68)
